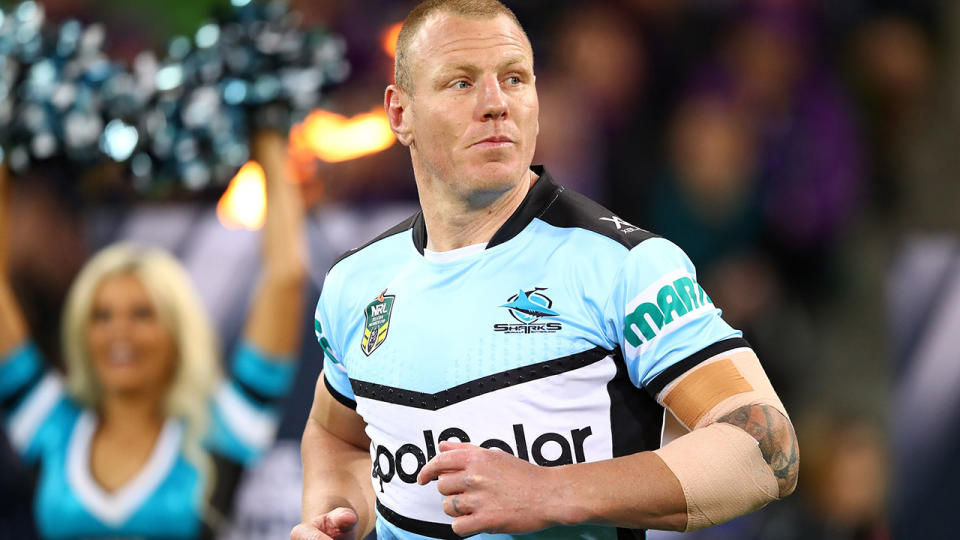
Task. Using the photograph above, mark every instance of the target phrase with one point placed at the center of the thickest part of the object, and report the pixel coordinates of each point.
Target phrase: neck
(454, 220)
(130, 413)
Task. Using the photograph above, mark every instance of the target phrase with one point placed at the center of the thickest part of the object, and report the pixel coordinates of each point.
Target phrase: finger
(444, 462)
(451, 483)
(457, 505)
(307, 532)
(447, 446)
(470, 524)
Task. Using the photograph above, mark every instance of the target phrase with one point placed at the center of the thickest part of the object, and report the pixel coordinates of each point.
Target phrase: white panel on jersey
(563, 418)
(114, 508)
(34, 410)
(254, 427)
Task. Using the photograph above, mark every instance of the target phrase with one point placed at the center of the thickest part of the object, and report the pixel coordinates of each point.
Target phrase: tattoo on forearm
(778, 442)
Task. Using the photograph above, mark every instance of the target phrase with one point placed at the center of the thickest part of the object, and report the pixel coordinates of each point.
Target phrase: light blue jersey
(166, 497)
(550, 344)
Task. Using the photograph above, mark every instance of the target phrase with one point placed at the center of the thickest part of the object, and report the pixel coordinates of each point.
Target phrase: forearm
(335, 474)
(278, 304)
(637, 491)
(13, 327)
(717, 472)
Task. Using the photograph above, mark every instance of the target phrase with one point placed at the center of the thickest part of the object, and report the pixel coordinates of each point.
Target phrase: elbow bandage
(719, 466)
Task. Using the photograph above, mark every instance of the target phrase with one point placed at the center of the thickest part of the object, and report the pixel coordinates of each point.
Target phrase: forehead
(447, 39)
(120, 287)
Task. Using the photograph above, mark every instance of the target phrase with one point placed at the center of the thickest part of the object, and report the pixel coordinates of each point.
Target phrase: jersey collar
(541, 195)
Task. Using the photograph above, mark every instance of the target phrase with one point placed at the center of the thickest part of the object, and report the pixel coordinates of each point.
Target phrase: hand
(337, 524)
(491, 490)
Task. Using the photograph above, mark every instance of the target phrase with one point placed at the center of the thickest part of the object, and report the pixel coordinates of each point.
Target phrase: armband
(719, 466)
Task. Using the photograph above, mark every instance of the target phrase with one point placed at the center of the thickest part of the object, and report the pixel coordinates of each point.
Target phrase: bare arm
(734, 391)
(492, 491)
(496, 492)
(336, 467)
(273, 323)
(13, 326)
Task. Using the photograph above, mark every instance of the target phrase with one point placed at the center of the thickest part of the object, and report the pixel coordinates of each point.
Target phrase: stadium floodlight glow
(334, 138)
(244, 204)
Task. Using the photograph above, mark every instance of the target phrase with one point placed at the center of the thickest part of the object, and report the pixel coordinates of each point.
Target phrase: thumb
(343, 518)
(336, 521)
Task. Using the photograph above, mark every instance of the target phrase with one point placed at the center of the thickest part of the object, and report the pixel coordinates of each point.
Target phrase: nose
(493, 103)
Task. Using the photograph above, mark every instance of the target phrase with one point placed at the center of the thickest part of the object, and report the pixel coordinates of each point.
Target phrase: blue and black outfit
(550, 344)
(166, 499)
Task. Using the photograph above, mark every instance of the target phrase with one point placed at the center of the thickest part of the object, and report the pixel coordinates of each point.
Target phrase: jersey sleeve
(335, 375)
(662, 318)
(246, 407)
(32, 400)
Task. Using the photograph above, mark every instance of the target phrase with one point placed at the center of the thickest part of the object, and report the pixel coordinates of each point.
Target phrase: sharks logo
(527, 308)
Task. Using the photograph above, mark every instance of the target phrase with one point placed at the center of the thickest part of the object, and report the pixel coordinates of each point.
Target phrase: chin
(123, 383)
(498, 176)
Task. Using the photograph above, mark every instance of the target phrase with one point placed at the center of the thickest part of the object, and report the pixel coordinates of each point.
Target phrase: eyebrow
(472, 68)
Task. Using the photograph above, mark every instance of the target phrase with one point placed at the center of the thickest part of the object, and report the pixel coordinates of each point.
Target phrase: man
(499, 363)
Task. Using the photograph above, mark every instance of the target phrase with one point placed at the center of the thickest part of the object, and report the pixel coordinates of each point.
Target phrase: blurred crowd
(802, 152)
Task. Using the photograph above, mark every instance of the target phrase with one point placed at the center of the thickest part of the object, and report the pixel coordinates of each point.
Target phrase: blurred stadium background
(803, 152)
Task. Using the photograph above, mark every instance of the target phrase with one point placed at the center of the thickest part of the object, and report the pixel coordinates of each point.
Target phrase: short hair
(474, 9)
(198, 371)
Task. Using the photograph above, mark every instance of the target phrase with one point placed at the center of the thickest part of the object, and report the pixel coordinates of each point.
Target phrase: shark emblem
(527, 307)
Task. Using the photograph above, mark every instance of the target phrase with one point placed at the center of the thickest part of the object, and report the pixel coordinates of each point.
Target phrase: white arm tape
(722, 473)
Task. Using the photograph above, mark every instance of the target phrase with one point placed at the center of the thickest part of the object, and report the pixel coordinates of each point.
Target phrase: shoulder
(571, 210)
(406, 226)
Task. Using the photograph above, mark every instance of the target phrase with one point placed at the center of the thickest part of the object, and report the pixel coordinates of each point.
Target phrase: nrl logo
(377, 324)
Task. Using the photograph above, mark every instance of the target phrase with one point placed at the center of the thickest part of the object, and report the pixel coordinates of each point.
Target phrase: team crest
(528, 308)
(377, 323)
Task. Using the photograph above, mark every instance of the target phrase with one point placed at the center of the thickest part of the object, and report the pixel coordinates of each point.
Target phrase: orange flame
(389, 39)
(334, 138)
(244, 203)
(325, 135)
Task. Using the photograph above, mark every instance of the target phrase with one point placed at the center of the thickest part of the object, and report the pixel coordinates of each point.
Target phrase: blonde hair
(475, 9)
(198, 369)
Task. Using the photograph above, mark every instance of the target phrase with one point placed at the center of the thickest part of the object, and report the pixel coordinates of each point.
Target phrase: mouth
(120, 354)
(496, 141)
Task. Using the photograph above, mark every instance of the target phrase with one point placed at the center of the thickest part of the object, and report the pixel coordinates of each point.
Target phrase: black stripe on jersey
(396, 229)
(477, 387)
(631, 534)
(662, 380)
(570, 209)
(636, 423)
(257, 397)
(344, 400)
(416, 526)
(13, 401)
(562, 207)
(541, 195)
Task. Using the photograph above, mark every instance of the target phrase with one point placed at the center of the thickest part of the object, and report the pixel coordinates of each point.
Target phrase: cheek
(96, 336)
(162, 346)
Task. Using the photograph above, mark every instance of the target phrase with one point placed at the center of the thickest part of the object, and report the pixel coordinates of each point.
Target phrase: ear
(395, 102)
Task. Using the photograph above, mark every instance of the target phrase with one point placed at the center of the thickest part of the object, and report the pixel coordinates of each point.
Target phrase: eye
(143, 313)
(461, 85)
(514, 80)
(100, 315)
